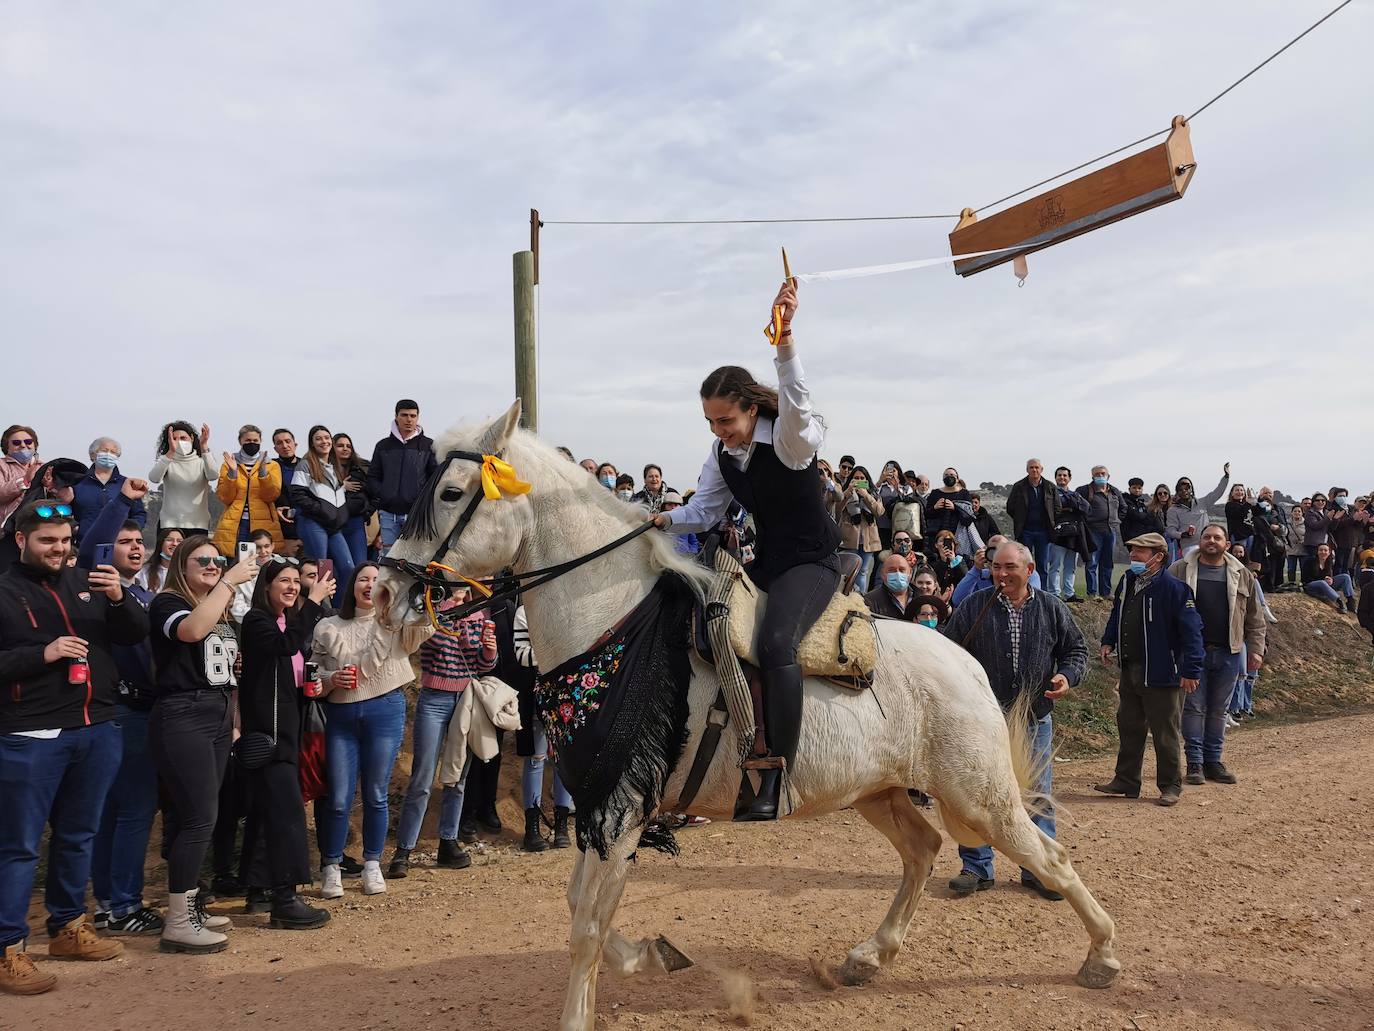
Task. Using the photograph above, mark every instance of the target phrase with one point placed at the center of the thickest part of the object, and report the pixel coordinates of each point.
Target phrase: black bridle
(432, 586)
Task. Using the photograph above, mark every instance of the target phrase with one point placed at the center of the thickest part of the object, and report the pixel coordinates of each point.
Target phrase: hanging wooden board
(1132, 185)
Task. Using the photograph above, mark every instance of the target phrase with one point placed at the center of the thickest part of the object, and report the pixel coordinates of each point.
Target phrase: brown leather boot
(78, 940)
(18, 975)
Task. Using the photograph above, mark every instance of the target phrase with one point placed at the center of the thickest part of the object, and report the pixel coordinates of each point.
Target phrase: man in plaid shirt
(1026, 642)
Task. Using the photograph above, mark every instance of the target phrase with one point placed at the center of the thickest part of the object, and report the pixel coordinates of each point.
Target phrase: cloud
(295, 215)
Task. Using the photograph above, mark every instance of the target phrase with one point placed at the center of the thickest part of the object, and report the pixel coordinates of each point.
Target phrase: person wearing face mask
(893, 593)
(185, 469)
(903, 545)
(929, 611)
(764, 458)
(154, 569)
(1188, 515)
(1345, 532)
(625, 487)
(249, 484)
(1104, 530)
(1155, 634)
(860, 511)
(948, 506)
(607, 475)
(18, 464)
(101, 485)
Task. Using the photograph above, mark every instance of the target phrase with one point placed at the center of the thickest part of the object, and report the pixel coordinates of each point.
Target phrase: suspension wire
(734, 221)
(1204, 107)
(992, 204)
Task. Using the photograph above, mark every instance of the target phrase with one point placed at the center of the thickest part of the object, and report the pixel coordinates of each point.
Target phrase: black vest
(790, 520)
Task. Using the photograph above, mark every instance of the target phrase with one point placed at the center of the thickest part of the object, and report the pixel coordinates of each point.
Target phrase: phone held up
(247, 550)
(104, 555)
(324, 569)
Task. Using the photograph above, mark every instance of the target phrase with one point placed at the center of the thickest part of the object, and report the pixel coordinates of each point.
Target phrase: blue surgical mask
(1099, 481)
(932, 623)
(1342, 501)
(1138, 568)
(1265, 506)
(957, 560)
(897, 582)
(23, 456)
(106, 459)
(608, 482)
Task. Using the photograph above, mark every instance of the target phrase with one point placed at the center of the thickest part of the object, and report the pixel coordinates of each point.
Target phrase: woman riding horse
(765, 458)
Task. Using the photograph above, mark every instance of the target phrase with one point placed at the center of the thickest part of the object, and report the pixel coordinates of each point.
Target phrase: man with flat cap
(1156, 634)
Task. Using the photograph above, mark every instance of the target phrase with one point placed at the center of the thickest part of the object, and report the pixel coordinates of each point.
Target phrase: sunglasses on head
(206, 561)
(48, 511)
(284, 559)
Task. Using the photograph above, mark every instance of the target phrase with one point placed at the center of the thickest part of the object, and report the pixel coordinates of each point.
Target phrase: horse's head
(456, 522)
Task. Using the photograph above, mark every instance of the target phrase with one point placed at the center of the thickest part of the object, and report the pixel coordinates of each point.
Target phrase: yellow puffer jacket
(258, 492)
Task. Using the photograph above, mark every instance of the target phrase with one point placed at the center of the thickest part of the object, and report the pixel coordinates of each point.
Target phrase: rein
(432, 587)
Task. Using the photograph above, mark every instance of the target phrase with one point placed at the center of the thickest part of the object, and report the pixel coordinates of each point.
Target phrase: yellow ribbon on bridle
(432, 612)
(498, 476)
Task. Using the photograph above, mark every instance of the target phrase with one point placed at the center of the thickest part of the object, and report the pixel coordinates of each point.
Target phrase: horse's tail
(1030, 768)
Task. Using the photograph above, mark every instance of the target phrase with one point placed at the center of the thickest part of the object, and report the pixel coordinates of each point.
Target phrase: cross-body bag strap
(276, 673)
(996, 593)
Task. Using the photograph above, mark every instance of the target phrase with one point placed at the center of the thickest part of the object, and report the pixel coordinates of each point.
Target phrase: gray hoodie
(1195, 514)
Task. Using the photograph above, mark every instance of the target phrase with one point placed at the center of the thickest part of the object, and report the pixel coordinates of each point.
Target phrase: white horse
(939, 727)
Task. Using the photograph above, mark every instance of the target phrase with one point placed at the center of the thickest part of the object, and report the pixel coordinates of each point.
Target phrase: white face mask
(184, 447)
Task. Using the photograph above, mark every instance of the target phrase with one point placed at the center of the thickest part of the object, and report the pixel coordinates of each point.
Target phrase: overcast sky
(296, 213)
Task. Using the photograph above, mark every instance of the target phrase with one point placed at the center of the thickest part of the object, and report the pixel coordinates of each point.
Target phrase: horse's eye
(450, 494)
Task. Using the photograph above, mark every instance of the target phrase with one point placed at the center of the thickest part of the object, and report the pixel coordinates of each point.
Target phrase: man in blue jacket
(401, 465)
(1156, 634)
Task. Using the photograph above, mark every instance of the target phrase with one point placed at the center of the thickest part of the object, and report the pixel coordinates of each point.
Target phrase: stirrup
(764, 762)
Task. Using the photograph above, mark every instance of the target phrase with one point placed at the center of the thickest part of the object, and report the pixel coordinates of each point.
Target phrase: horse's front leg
(594, 895)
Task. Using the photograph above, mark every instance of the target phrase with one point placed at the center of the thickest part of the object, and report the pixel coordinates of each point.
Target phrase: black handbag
(254, 750)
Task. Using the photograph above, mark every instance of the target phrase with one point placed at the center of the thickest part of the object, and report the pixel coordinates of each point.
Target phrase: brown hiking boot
(78, 940)
(18, 975)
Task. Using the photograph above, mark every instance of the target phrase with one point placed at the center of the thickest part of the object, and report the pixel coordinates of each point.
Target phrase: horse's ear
(498, 432)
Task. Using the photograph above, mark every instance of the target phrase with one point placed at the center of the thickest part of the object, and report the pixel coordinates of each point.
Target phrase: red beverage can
(310, 681)
(78, 672)
(354, 671)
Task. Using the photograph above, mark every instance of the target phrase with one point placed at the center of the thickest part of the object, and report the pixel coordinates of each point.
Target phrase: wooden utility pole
(526, 364)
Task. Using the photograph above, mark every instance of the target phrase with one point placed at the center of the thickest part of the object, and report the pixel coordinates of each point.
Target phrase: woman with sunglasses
(17, 467)
(191, 726)
(319, 493)
(363, 668)
(276, 632)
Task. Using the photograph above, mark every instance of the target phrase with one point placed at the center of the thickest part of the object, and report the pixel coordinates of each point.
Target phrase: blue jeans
(865, 569)
(316, 542)
(1039, 543)
(433, 711)
(121, 843)
(1173, 550)
(1063, 564)
(532, 777)
(1100, 563)
(391, 526)
(61, 781)
(360, 737)
(978, 861)
(355, 536)
(1204, 711)
(1243, 697)
(1340, 587)
(1294, 567)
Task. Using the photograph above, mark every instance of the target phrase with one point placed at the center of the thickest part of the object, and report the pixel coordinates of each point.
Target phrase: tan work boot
(18, 975)
(78, 940)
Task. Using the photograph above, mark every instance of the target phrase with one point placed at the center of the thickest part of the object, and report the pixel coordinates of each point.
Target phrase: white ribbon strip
(900, 266)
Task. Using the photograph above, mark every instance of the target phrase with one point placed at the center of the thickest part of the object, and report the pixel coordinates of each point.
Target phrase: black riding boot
(782, 709)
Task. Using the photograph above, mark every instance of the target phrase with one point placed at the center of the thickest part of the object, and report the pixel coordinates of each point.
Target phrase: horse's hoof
(1098, 973)
(858, 971)
(670, 955)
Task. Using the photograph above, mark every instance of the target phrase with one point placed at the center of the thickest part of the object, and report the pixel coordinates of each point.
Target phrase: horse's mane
(549, 471)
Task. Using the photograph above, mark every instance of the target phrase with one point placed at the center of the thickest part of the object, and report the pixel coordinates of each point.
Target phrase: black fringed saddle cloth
(616, 717)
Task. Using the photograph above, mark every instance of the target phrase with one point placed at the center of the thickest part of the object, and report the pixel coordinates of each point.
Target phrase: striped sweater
(450, 663)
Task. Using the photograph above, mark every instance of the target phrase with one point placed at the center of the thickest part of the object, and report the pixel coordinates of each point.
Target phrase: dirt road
(1244, 907)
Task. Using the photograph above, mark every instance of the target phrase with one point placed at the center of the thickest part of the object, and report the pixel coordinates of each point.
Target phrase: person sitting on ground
(893, 592)
(1321, 580)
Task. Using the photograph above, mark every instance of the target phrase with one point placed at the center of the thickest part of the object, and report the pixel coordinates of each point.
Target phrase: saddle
(841, 645)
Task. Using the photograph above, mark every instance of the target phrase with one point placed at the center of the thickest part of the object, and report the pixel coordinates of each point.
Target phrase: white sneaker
(1269, 615)
(373, 882)
(331, 882)
(1231, 721)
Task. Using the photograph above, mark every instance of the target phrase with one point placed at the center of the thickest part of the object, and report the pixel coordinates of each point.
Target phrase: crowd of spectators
(230, 673)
